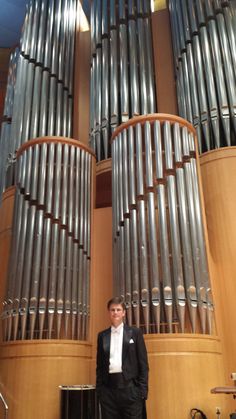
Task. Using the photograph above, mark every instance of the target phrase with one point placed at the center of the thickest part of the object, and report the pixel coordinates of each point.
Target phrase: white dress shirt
(115, 364)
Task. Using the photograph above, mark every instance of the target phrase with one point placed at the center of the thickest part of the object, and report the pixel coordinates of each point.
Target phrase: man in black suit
(122, 367)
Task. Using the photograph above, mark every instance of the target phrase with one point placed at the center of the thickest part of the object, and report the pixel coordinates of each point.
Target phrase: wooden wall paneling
(32, 371)
(218, 169)
(82, 87)
(6, 215)
(183, 369)
(101, 276)
(163, 62)
(4, 64)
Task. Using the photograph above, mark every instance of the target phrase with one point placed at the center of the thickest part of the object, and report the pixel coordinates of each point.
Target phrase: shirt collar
(118, 329)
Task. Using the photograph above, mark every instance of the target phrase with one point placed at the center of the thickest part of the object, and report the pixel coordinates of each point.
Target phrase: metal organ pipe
(122, 70)
(156, 189)
(204, 48)
(40, 84)
(48, 286)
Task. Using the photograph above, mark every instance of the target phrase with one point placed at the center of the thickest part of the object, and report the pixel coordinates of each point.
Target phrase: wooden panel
(4, 64)
(104, 184)
(82, 87)
(183, 369)
(218, 169)
(163, 60)
(6, 213)
(32, 371)
(101, 275)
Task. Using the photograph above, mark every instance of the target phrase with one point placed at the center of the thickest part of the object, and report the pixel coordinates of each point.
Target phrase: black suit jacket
(134, 358)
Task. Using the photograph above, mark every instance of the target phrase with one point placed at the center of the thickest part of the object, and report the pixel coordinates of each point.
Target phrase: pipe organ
(159, 246)
(122, 71)
(42, 81)
(48, 282)
(7, 159)
(49, 271)
(203, 34)
(160, 264)
(60, 268)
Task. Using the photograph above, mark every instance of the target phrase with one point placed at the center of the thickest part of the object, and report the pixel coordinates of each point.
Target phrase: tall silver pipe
(200, 283)
(134, 233)
(127, 250)
(185, 230)
(123, 41)
(144, 275)
(154, 271)
(26, 279)
(35, 272)
(174, 227)
(60, 301)
(162, 222)
(200, 233)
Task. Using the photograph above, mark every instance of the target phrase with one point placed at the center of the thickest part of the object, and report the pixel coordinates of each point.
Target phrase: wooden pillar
(218, 168)
(163, 61)
(6, 214)
(32, 371)
(81, 84)
(183, 369)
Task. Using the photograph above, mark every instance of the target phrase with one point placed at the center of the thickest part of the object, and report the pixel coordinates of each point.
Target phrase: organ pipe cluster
(39, 95)
(160, 262)
(49, 271)
(204, 41)
(122, 71)
(7, 155)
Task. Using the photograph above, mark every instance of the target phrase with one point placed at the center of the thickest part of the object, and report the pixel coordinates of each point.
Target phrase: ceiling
(12, 13)
(11, 20)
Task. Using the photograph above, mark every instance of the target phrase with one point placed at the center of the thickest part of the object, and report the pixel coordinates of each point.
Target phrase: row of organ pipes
(49, 270)
(159, 245)
(160, 263)
(204, 44)
(122, 70)
(39, 99)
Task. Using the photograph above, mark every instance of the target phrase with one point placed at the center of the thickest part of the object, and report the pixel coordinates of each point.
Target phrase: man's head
(116, 308)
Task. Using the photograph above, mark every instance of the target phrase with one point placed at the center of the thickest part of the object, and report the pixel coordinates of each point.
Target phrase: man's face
(117, 314)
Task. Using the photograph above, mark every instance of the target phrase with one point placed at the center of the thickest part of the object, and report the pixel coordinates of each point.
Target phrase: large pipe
(174, 226)
(184, 228)
(162, 222)
(154, 271)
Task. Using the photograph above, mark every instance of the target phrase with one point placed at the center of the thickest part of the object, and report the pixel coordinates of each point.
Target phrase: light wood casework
(163, 61)
(183, 369)
(81, 87)
(218, 168)
(101, 275)
(32, 371)
(6, 213)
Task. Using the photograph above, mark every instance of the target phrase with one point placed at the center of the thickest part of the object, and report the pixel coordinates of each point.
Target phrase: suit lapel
(107, 341)
(126, 339)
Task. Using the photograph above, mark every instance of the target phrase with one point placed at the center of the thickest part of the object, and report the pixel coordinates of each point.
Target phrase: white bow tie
(116, 330)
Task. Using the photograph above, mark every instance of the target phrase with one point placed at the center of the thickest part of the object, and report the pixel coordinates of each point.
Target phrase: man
(122, 367)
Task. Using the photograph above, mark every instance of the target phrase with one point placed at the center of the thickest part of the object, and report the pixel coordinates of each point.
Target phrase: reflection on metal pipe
(40, 83)
(157, 208)
(128, 82)
(48, 288)
(205, 31)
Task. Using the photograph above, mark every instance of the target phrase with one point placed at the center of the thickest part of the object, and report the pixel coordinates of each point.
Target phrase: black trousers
(122, 401)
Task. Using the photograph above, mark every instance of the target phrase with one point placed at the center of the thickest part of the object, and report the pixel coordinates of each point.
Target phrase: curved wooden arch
(52, 139)
(162, 117)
